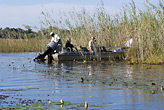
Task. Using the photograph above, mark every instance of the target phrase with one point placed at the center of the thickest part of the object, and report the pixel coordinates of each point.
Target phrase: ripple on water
(102, 85)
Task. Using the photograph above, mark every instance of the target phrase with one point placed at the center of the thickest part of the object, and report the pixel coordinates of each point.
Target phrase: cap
(51, 33)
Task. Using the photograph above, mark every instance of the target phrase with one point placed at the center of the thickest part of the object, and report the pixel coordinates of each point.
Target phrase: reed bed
(145, 26)
(22, 45)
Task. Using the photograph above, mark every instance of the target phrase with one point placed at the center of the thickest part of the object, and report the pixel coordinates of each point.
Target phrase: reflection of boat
(83, 55)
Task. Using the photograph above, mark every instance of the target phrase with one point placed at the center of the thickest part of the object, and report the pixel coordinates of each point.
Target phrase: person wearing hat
(56, 38)
(54, 46)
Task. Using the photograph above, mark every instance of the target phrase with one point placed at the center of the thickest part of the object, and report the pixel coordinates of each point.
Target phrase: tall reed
(22, 45)
(146, 27)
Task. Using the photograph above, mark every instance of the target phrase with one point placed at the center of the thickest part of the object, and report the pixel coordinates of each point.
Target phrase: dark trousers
(47, 52)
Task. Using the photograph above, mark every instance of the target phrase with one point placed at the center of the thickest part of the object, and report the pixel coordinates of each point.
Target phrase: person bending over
(55, 46)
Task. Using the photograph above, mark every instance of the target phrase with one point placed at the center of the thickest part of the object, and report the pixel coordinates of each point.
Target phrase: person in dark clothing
(69, 46)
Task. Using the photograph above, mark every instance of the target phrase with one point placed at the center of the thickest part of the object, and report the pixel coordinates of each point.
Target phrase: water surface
(25, 84)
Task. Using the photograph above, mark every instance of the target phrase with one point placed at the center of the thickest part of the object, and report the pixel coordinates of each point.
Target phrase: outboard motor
(52, 45)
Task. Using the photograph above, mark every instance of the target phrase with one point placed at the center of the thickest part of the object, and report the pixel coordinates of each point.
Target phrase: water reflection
(91, 69)
(105, 86)
(129, 72)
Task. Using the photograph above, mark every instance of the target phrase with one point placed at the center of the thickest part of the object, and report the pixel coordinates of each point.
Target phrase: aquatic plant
(146, 27)
(23, 45)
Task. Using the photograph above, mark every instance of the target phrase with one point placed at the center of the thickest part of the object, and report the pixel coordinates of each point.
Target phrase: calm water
(25, 84)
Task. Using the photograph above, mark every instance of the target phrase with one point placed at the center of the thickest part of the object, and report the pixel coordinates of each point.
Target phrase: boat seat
(84, 49)
(68, 49)
(103, 49)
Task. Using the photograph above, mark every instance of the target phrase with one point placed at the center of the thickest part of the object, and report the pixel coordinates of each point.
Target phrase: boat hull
(78, 56)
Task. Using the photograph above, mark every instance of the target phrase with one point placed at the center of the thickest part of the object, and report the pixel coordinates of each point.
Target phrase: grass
(146, 27)
(22, 45)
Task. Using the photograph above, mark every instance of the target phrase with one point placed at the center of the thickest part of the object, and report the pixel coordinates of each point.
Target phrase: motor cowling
(52, 45)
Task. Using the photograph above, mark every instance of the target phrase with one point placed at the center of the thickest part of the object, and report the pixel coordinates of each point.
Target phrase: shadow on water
(25, 84)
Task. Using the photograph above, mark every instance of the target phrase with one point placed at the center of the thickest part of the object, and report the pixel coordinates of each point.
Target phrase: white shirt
(92, 44)
(129, 43)
(55, 38)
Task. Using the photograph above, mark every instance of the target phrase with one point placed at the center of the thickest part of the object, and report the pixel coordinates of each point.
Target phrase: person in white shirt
(92, 44)
(56, 38)
(129, 42)
(54, 46)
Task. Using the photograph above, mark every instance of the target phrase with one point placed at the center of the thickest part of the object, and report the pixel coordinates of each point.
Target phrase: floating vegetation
(40, 86)
(40, 104)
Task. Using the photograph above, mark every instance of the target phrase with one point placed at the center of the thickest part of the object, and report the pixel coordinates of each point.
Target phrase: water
(25, 84)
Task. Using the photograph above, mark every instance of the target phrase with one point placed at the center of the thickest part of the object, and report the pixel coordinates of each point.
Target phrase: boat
(83, 55)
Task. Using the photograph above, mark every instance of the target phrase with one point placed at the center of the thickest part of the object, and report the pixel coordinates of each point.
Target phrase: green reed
(22, 45)
(146, 27)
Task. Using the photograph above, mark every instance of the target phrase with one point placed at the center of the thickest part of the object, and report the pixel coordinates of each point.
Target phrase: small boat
(88, 56)
(84, 55)
(78, 56)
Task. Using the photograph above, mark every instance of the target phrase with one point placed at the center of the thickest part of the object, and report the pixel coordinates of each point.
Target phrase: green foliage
(17, 33)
